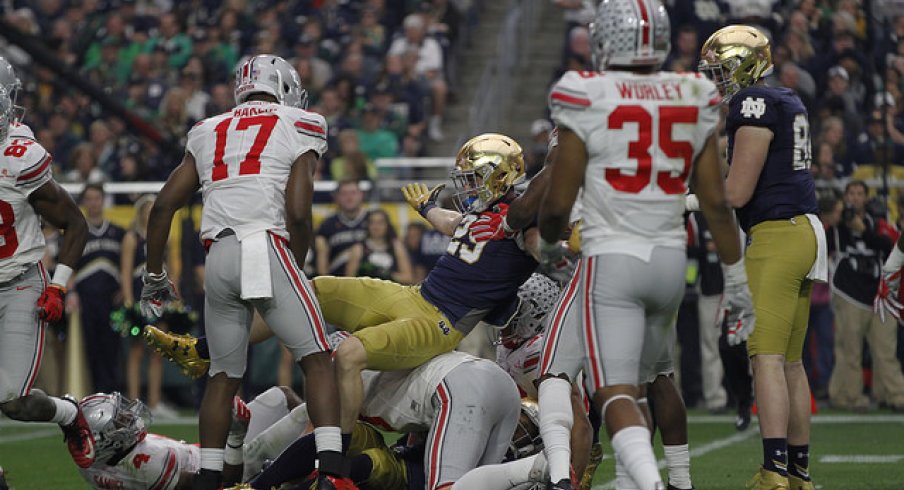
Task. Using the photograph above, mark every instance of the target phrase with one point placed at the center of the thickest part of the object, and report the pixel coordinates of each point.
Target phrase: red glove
(50, 304)
(491, 225)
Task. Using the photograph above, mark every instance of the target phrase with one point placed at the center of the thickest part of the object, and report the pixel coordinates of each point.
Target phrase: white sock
(232, 455)
(556, 420)
(632, 445)
(678, 462)
(498, 476)
(623, 480)
(211, 459)
(328, 439)
(65, 411)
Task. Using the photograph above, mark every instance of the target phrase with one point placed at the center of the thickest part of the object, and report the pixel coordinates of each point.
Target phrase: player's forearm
(74, 238)
(444, 220)
(300, 233)
(523, 210)
(724, 229)
(551, 224)
(157, 235)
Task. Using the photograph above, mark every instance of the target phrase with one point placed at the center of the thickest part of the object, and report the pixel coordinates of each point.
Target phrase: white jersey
(401, 400)
(642, 133)
(522, 364)
(244, 158)
(24, 167)
(19, 130)
(156, 463)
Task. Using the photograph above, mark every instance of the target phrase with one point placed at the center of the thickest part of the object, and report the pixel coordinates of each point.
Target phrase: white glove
(158, 290)
(736, 307)
(556, 261)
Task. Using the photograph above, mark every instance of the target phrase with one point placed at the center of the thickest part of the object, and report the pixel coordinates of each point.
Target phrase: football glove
(50, 304)
(420, 198)
(556, 262)
(157, 291)
(736, 307)
(491, 225)
(887, 297)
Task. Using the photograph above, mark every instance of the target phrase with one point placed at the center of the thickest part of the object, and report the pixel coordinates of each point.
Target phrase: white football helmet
(538, 297)
(630, 33)
(10, 82)
(116, 422)
(269, 74)
(7, 114)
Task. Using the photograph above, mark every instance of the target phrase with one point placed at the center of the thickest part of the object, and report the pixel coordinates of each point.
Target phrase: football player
(254, 166)
(11, 83)
(770, 184)
(401, 327)
(29, 194)
(632, 228)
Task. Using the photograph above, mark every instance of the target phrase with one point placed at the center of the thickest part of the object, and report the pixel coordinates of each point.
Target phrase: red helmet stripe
(644, 23)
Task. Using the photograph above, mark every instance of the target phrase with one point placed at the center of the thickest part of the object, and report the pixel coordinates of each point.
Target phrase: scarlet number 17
(639, 149)
(252, 163)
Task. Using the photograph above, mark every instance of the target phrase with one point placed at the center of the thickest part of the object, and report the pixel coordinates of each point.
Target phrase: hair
(97, 186)
(856, 183)
(347, 181)
(390, 230)
(139, 225)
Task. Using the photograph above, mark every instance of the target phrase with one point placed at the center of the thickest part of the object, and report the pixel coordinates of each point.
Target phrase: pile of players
(629, 141)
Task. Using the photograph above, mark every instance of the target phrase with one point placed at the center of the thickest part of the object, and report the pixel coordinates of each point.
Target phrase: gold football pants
(779, 257)
(398, 327)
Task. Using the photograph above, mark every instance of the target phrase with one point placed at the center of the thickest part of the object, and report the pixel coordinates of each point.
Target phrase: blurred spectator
(191, 81)
(824, 170)
(84, 166)
(703, 16)
(174, 114)
(839, 101)
(685, 55)
(861, 250)
(376, 142)
(381, 254)
(874, 146)
(172, 40)
(429, 67)
(340, 231)
(579, 56)
(425, 246)
(351, 164)
(832, 134)
(104, 148)
(793, 77)
(221, 100)
(98, 289)
(818, 355)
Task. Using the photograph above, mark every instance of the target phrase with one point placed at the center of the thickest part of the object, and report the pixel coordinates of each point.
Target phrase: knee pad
(612, 399)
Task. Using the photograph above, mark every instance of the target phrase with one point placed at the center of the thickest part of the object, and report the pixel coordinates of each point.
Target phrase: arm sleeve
(568, 100)
(311, 131)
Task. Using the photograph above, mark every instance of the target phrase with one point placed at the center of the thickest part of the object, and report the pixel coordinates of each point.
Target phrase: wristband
(157, 277)
(735, 273)
(61, 275)
(895, 260)
(426, 209)
(505, 226)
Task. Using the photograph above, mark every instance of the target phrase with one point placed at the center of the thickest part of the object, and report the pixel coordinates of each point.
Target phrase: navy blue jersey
(97, 272)
(785, 188)
(478, 281)
(341, 233)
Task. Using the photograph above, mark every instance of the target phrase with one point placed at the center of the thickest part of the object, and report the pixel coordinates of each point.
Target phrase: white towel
(820, 270)
(255, 258)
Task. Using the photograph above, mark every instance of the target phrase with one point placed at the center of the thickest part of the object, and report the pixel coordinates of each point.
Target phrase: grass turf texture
(34, 456)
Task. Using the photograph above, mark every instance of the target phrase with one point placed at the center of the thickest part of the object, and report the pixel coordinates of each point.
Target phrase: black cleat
(563, 484)
(742, 421)
(207, 480)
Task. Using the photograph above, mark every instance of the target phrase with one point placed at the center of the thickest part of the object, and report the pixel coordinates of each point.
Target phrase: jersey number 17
(251, 164)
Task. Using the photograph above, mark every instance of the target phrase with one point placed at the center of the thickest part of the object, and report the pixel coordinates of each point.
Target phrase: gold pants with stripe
(779, 257)
(398, 327)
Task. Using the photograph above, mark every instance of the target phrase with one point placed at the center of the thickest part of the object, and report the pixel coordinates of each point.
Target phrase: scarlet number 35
(639, 149)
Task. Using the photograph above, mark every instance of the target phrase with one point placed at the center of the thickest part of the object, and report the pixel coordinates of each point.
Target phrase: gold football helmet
(735, 57)
(486, 168)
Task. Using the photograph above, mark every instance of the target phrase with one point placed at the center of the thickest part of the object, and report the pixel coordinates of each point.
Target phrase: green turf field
(850, 452)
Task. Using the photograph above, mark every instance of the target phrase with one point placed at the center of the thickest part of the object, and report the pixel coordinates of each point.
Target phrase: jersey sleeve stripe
(570, 100)
(314, 128)
(312, 135)
(36, 169)
(168, 472)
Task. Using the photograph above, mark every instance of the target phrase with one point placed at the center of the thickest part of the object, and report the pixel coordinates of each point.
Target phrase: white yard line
(861, 458)
(816, 419)
(696, 452)
(28, 436)
(4, 423)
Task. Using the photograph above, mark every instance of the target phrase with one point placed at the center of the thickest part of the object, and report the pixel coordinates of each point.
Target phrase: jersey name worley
(402, 400)
(244, 158)
(24, 167)
(642, 133)
(156, 463)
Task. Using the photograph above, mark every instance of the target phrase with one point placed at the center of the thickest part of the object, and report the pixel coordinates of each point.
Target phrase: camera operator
(861, 248)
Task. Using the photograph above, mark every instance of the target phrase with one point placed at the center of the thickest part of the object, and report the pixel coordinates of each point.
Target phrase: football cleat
(3, 484)
(330, 482)
(180, 349)
(596, 457)
(78, 437)
(795, 483)
(767, 480)
(670, 487)
(742, 421)
(563, 484)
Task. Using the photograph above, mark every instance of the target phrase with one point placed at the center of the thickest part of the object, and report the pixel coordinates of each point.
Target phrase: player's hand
(491, 225)
(50, 304)
(556, 262)
(887, 296)
(420, 198)
(157, 291)
(736, 307)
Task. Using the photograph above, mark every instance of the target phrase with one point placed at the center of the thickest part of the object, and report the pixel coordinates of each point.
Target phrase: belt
(222, 234)
(6, 284)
